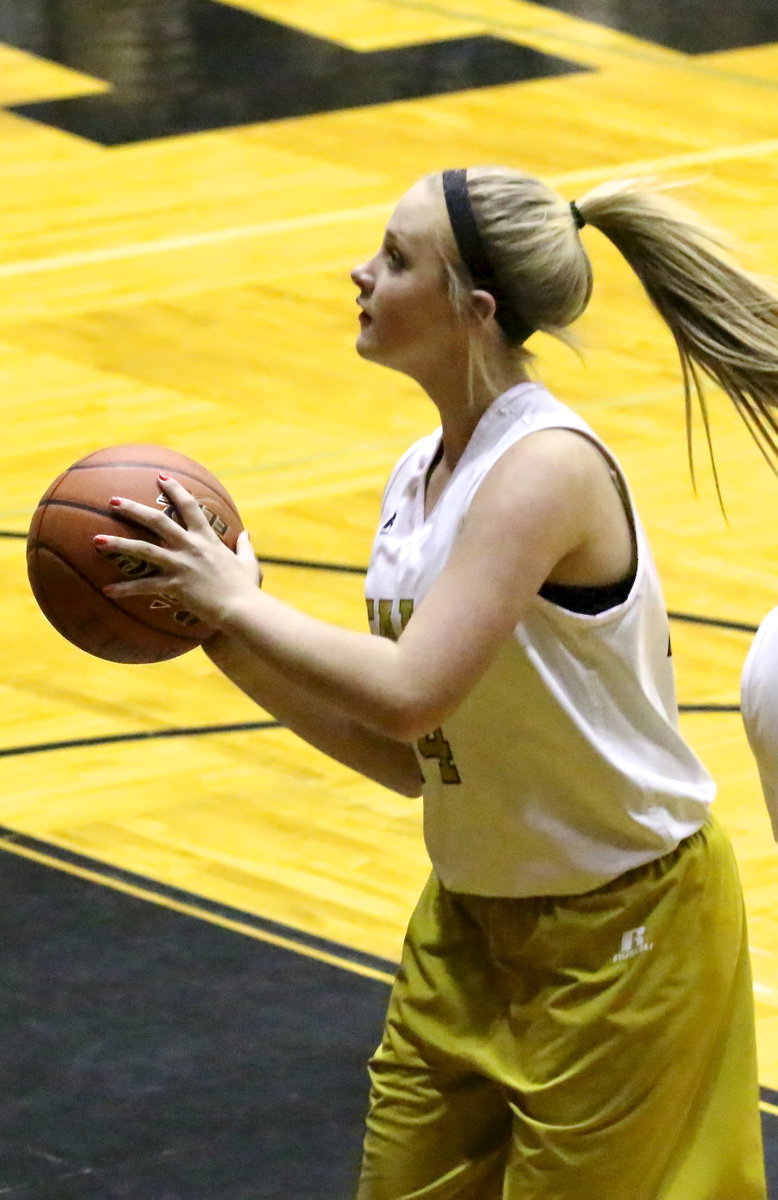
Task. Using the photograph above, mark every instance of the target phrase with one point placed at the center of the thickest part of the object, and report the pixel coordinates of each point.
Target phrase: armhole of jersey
(591, 601)
(620, 483)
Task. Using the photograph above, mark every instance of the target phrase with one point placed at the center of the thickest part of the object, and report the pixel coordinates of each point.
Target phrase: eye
(395, 258)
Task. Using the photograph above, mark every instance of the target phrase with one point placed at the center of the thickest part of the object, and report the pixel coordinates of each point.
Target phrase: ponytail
(723, 318)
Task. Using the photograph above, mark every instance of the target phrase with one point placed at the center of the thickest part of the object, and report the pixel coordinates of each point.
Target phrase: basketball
(67, 574)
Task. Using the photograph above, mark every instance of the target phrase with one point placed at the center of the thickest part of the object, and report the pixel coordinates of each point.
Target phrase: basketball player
(572, 1018)
(759, 708)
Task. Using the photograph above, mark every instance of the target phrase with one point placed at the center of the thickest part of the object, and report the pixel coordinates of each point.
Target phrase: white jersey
(759, 708)
(564, 766)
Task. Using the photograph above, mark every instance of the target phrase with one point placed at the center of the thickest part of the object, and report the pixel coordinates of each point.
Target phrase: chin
(370, 352)
(365, 350)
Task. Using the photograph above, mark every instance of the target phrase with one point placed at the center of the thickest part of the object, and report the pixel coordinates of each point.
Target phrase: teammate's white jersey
(564, 767)
(759, 708)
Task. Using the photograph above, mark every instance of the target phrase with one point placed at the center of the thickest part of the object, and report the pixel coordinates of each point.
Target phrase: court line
(352, 569)
(257, 927)
(687, 709)
(670, 162)
(310, 565)
(215, 237)
(11, 843)
(109, 739)
(717, 622)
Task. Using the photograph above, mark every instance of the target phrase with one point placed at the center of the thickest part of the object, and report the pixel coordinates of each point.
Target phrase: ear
(484, 305)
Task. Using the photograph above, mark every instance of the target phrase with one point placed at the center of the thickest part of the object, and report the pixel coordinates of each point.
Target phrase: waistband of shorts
(655, 868)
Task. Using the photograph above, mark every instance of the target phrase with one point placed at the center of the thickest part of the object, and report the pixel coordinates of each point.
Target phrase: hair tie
(578, 217)
(475, 256)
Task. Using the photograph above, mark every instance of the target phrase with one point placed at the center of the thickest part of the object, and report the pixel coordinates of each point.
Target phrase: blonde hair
(724, 319)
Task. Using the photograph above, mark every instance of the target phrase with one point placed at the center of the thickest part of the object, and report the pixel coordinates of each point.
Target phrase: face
(407, 320)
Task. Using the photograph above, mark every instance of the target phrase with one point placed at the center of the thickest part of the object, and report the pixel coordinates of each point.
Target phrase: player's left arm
(528, 515)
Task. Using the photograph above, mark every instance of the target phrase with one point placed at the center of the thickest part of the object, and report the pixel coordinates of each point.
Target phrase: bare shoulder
(565, 451)
(548, 468)
(549, 509)
(534, 506)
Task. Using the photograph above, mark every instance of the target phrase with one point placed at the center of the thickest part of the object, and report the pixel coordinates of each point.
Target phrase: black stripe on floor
(151, 1055)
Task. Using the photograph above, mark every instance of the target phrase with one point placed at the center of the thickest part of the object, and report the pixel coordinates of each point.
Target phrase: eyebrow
(391, 237)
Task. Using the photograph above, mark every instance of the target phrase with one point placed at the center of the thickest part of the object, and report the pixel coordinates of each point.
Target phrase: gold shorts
(589, 1047)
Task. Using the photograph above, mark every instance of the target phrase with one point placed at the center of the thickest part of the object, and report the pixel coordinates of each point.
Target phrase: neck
(461, 408)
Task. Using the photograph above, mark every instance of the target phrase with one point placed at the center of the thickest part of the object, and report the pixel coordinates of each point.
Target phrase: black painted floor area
(148, 1055)
(180, 66)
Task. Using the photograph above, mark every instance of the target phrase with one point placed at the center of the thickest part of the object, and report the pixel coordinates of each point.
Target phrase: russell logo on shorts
(633, 942)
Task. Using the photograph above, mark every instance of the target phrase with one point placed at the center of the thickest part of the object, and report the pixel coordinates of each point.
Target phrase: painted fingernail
(165, 477)
(100, 540)
(114, 502)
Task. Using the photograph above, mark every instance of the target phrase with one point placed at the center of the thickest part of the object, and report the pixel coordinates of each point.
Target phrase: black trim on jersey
(588, 600)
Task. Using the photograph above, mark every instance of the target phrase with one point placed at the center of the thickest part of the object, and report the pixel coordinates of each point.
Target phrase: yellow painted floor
(193, 291)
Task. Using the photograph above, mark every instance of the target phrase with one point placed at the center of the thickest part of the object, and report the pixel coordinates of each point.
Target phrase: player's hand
(193, 566)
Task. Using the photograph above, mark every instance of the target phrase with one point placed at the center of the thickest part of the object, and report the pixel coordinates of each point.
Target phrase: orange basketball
(67, 574)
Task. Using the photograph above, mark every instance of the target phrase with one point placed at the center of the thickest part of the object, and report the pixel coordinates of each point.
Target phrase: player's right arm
(390, 763)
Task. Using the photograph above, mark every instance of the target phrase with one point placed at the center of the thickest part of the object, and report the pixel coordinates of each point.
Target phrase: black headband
(474, 254)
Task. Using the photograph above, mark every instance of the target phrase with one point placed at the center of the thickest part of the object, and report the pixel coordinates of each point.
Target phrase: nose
(362, 276)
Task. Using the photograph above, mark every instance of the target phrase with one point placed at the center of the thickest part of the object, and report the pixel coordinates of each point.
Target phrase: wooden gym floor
(186, 184)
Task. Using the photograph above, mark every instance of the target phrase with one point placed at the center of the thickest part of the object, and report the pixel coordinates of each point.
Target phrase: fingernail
(165, 477)
(115, 502)
(100, 540)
